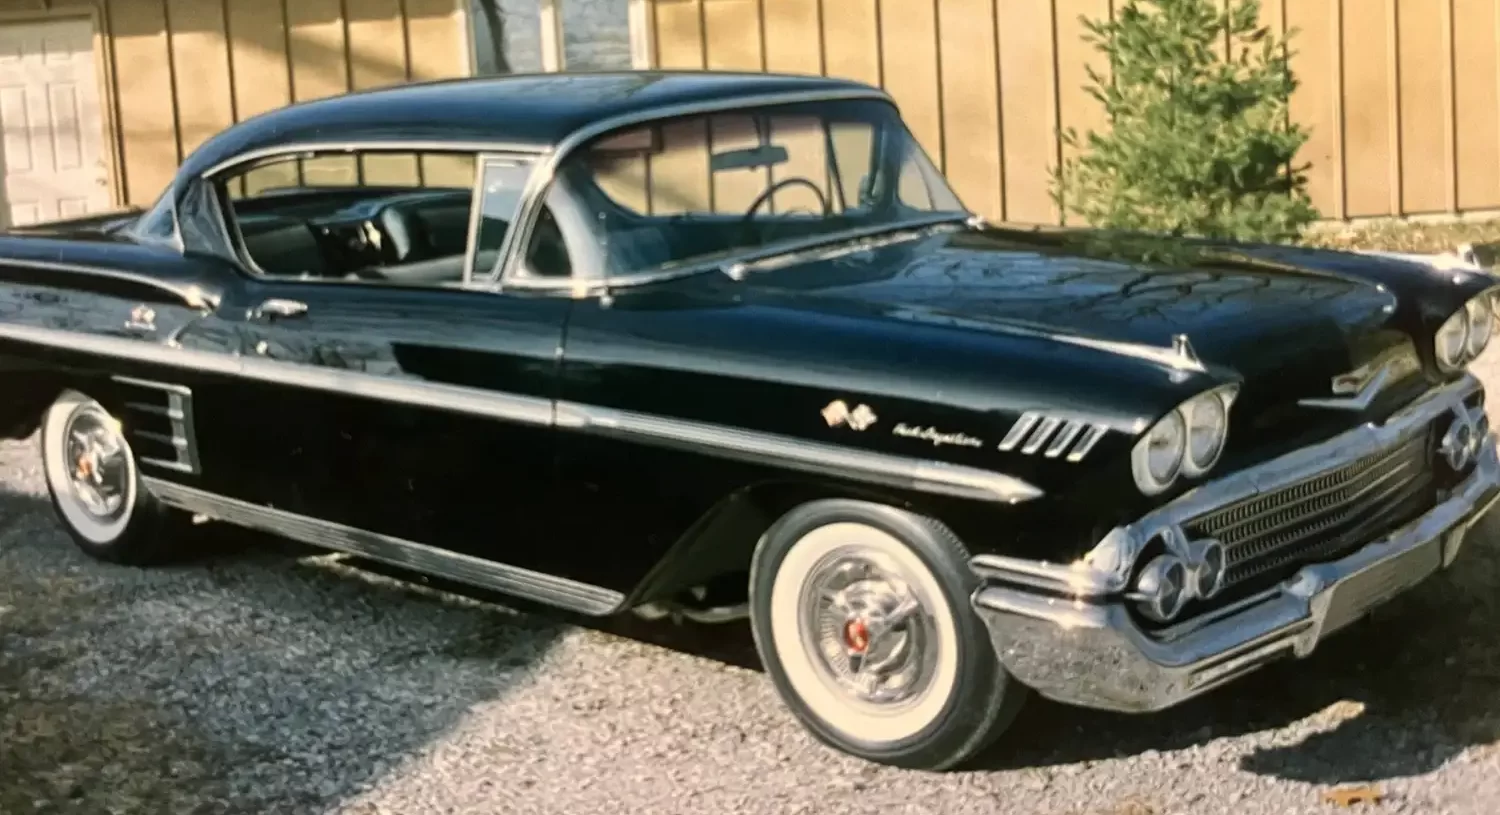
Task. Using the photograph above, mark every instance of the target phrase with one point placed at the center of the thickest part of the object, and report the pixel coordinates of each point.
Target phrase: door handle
(278, 307)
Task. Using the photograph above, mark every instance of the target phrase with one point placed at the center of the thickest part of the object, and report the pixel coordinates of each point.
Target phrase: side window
(376, 216)
(853, 153)
(500, 191)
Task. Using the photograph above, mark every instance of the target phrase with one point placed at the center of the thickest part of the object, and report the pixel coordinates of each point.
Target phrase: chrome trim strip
(179, 412)
(382, 145)
(1086, 444)
(190, 294)
(120, 348)
(533, 410)
(1069, 432)
(1357, 402)
(772, 450)
(1019, 430)
(1116, 553)
(456, 398)
(543, 588)
(1393, 365)
(752, 446)
(1039, 436)
(149, 383)
(535, 191)
(1035, 428)
(847, 241)
(476, 201)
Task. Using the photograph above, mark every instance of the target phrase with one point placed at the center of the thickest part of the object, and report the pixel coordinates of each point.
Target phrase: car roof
(529, 111)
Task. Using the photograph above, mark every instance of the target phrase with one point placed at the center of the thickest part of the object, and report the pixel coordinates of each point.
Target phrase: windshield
(701, 189)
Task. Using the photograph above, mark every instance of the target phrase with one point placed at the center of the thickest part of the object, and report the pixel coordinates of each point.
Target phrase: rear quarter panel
(88, 316)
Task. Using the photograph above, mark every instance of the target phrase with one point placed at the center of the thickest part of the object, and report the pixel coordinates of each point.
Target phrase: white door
(52, 150)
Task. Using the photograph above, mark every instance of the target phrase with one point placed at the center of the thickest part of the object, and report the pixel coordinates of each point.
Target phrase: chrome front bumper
(1076, 645)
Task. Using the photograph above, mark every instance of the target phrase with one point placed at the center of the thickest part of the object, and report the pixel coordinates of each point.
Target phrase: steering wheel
(760, 200)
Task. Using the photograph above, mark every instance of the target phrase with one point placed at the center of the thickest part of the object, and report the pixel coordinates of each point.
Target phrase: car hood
(1247, 316)
(1283, 330)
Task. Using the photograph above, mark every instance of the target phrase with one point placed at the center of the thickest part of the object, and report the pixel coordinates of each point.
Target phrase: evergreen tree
(1199, 144)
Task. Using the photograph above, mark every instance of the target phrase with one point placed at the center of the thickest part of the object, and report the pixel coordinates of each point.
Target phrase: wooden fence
(1402, 97)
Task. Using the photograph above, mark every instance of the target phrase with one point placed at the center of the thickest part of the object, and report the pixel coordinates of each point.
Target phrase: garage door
(52, 148)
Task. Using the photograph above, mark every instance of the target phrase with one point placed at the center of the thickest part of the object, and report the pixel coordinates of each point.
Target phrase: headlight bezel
(1192, 410)
(1460, 325)
(1455, 327)
(1172, 424)
(1481, 307)
(1182, 416)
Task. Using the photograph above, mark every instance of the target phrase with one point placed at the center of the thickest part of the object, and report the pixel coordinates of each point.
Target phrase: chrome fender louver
(1034, 430)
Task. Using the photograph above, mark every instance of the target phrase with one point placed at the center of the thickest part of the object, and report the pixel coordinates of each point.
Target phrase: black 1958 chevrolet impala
(728, 346)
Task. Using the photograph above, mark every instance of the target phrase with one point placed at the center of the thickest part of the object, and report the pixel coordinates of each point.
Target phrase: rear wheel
(95, 485)
(861, 616)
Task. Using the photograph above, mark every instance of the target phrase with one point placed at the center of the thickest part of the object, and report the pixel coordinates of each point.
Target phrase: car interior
(671, 197)
(396, 235)
(655, 198)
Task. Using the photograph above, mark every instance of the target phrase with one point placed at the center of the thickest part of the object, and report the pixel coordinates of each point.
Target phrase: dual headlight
(1463, 336)
(1172, 579)
(1188, 441)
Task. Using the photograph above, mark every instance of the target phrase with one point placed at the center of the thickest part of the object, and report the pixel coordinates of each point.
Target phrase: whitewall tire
(94, 480)
(861, 616)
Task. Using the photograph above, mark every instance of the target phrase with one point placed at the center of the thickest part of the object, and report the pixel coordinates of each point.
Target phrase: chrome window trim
(738, 264)
(170, 195)
(546, 168)
(476, 201)
(482, 153)
(374, 145)
(753, 446)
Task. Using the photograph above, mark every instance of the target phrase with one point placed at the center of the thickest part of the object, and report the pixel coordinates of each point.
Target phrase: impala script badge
(838, 413)
(935, 436)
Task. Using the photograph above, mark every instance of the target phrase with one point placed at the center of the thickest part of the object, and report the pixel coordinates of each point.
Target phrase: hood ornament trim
(1183, 347)
(1357, 389)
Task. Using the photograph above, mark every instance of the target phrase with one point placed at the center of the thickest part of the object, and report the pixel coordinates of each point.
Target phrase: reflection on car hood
(1245, 316)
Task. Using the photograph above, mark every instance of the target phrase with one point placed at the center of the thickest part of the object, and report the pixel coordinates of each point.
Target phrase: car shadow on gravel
(1398, 694)
(250, 680)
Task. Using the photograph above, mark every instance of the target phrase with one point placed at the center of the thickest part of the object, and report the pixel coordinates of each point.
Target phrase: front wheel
(861, 616)
(95, 485)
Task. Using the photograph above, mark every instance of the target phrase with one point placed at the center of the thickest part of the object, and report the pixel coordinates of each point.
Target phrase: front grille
(1317, 518)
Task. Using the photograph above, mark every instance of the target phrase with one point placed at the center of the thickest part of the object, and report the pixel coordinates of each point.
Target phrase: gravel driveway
(264, 679)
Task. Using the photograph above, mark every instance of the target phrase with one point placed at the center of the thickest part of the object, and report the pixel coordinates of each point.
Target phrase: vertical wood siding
(179, 71)
(1402, 97)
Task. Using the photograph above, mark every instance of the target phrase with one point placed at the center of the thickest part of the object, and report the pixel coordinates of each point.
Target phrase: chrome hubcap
(867, 631)
(98, 464)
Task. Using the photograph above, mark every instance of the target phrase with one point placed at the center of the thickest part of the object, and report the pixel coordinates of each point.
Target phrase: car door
(384, 400)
